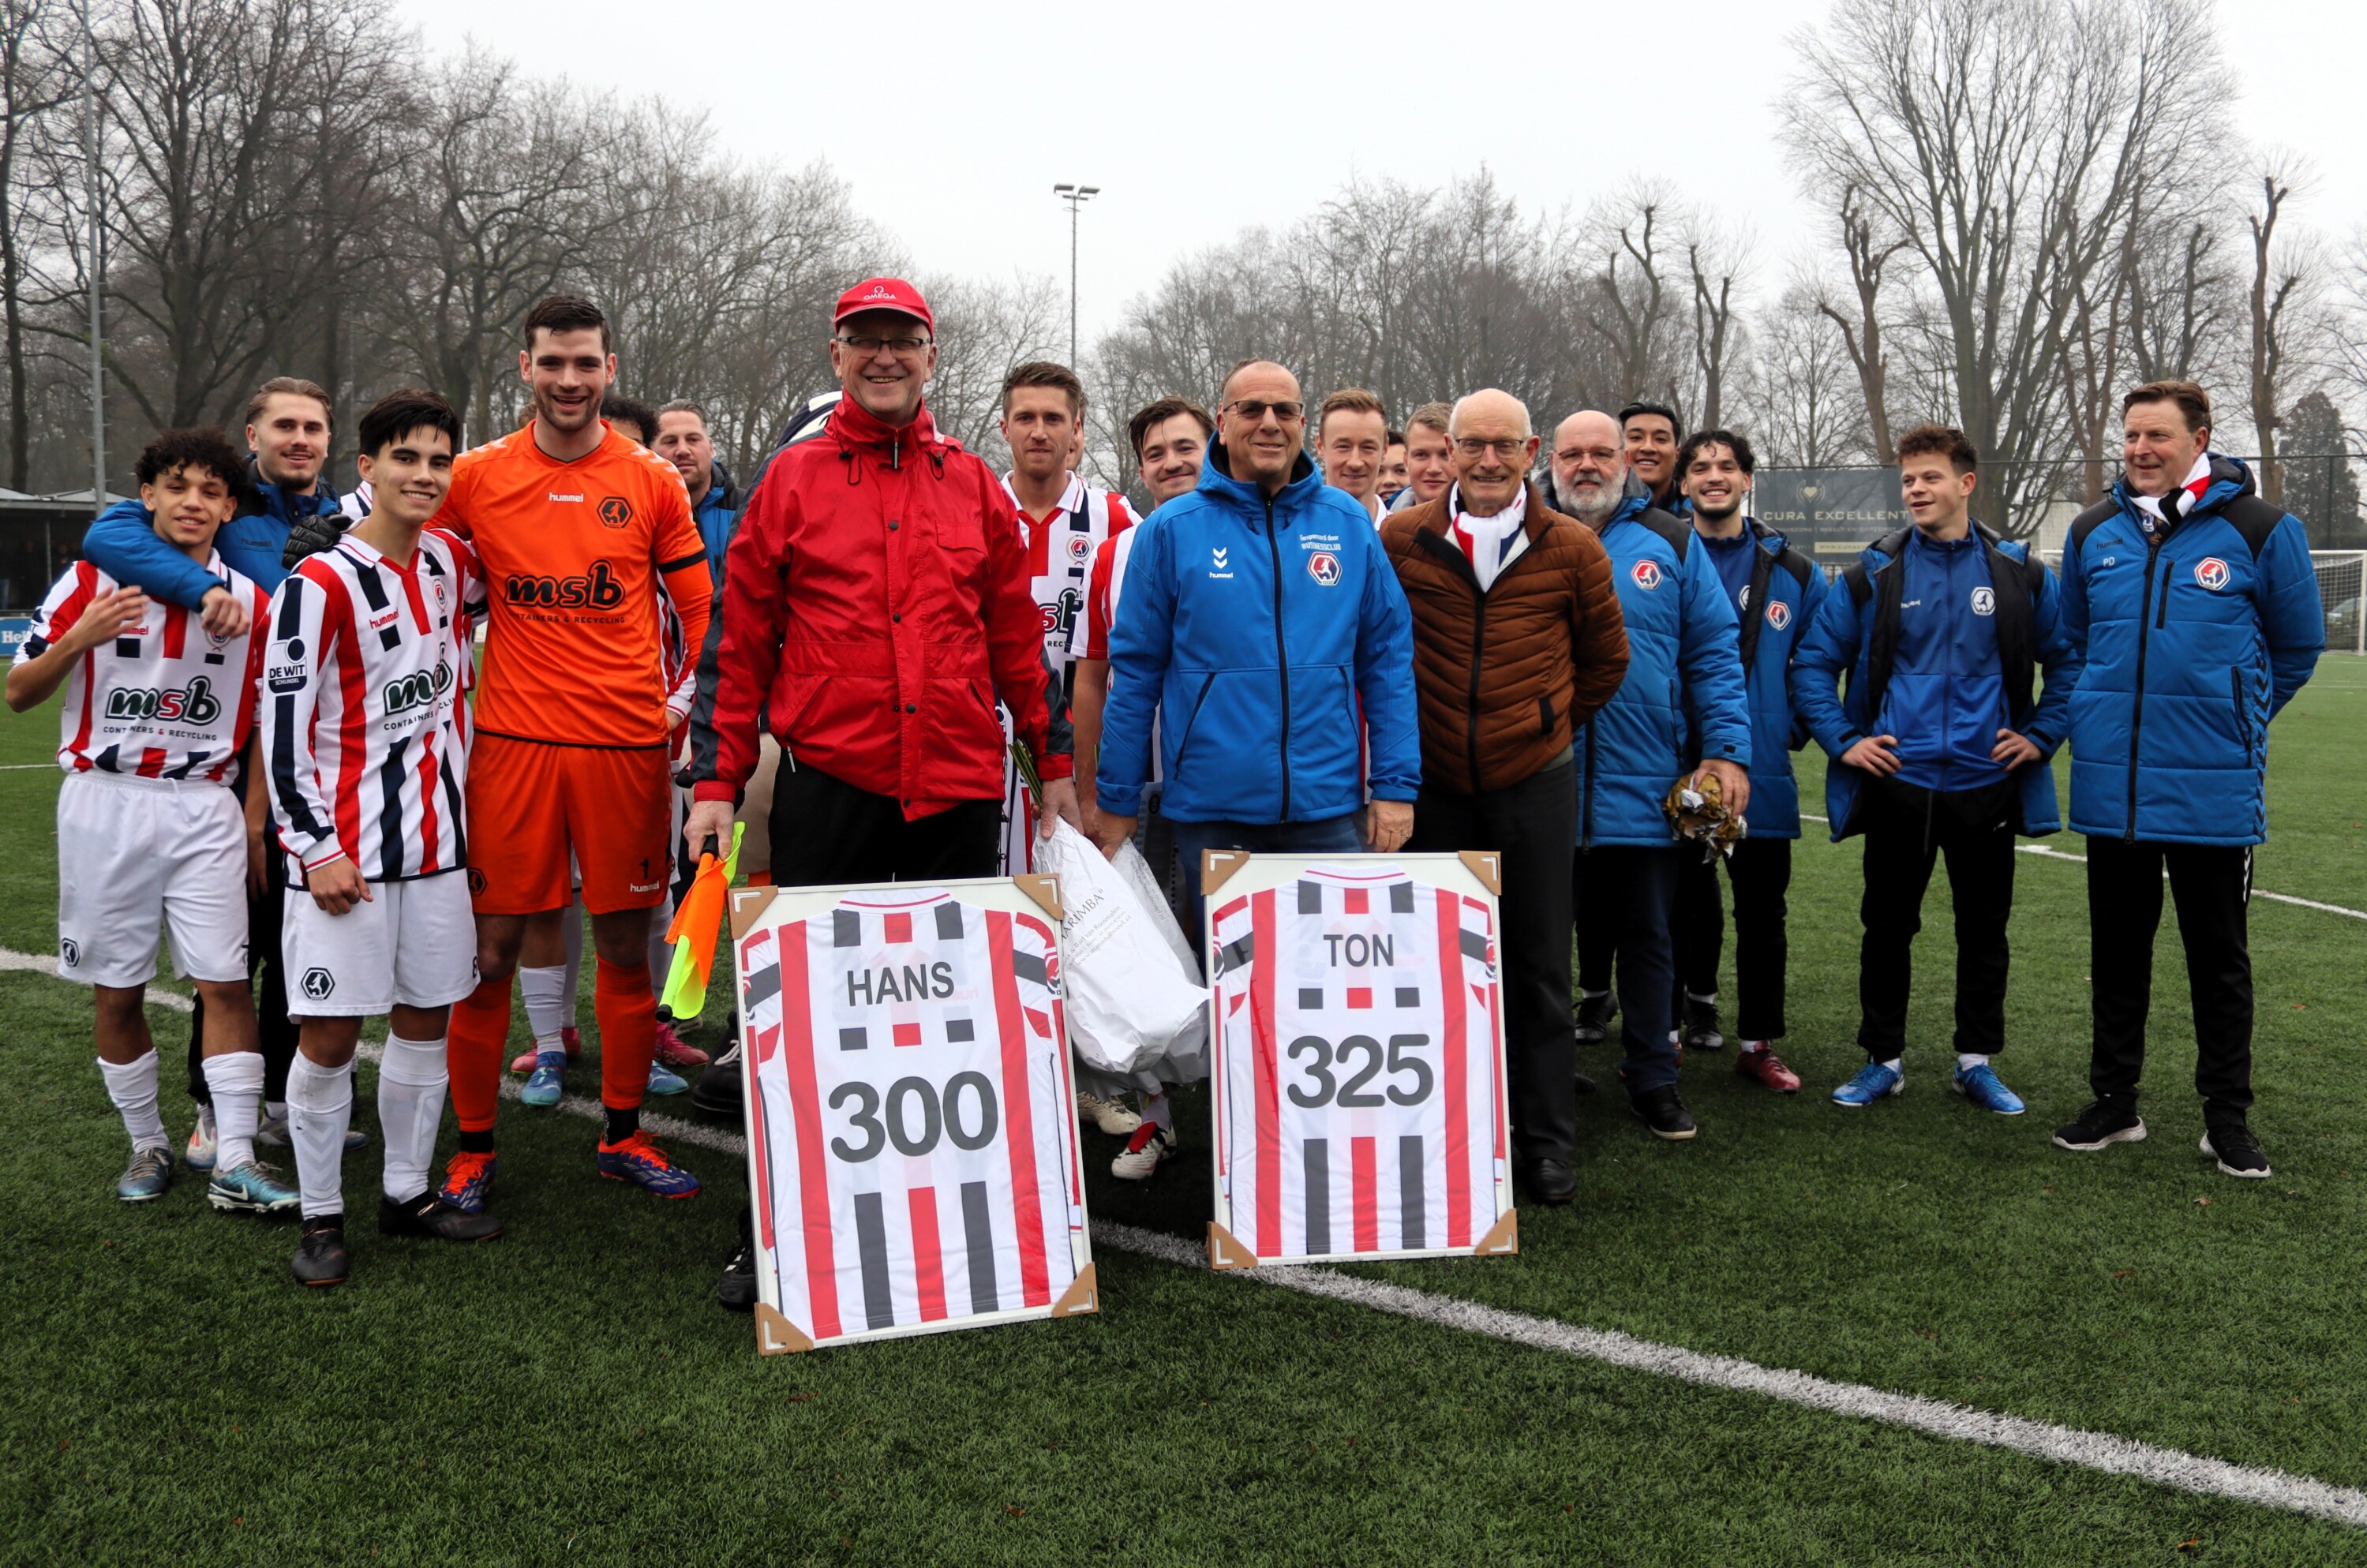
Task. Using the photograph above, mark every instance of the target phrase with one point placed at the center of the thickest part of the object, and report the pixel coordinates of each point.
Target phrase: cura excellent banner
(1359, 1079)
(911, 1125)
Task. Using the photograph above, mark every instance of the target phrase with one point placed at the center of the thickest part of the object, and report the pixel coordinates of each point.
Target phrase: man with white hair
(1517, 641)
(1680, 712)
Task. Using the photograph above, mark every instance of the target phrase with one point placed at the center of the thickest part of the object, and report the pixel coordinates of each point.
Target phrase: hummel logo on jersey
(596, 590)
(196, 703)
(417, 689)
(556, 496)
(1217, 558)
(381, 621)
(317, 984)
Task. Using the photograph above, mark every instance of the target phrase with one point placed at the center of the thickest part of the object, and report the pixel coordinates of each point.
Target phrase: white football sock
(661, 949)
(1709, 1001)
(277, 1109)
(1897, 1065)
(545, 1010)
(571, 918)
(321, 1106)
(1160, 1110)
(1750, 1045)
(1966, 1061)
(236, 1081)
(411, 1078)
(132, 1087)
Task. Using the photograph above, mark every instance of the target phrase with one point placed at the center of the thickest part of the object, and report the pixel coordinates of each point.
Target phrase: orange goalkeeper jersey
(573, 554)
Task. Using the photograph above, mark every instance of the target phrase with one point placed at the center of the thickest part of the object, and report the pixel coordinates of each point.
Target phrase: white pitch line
(2064, 1445)
(2041, 1439)
(45, 963)
(2082, 860)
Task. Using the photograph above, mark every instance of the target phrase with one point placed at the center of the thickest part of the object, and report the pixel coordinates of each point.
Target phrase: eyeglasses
(1254, 409)
(867, 345)
(1508, 448)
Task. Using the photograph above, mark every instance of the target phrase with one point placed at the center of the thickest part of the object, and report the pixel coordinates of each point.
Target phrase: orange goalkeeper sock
(627, 1011)
(472, 1053)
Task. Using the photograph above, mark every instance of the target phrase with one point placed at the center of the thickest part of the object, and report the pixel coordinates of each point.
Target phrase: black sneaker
(736, 1292)
(320, 1256)
(1593, 1016)
(1699, 1030)
(719, 1089)
(429, 1215)
(2237, 1152)
(1664, 1112)
(1582, 1083)
(1549, 1181)
(2105, 1122)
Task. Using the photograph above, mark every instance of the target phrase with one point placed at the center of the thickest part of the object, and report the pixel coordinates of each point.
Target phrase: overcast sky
(952, 122)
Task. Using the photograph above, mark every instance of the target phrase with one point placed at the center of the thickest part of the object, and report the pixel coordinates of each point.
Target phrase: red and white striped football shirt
(165, 699)
(1360, 1095)
(913, 1114)
(366, 725)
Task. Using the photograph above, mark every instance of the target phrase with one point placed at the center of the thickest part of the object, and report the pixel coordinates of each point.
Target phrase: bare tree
(1716, 259)
(1802, 400)
(1860, 320)
(33, 82)
(1630, 296)
(2282, 282)
(2005, 145)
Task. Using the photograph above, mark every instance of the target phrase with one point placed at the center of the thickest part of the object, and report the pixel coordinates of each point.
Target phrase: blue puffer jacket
(121, 542)
(1682, 700)
(718, 515)
(1779, 605)
(1857, 631)
(2194, 640)
(1256, 630)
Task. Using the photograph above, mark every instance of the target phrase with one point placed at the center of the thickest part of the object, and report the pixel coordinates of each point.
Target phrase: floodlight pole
(1075, 195)
(97, 350)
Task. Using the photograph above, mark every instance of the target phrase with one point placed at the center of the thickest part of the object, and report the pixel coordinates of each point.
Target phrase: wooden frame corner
(775, 1335)
(1044, 890)
(1487, 867)
(1083, 1295)
(1503, 1238)
(1217, 868)
(748, 906)
(1225, 1251)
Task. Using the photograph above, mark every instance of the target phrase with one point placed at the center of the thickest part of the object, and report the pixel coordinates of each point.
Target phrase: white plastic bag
(1130, 998)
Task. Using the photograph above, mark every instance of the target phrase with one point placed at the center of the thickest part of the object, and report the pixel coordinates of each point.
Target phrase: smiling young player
(151, 838)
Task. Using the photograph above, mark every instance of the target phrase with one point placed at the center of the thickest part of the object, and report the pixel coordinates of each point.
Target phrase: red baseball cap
(885, 294)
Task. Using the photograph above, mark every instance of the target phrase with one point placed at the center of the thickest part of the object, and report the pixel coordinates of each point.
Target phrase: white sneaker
(1111, 1116)
(1149, 1146)
(199, 1154)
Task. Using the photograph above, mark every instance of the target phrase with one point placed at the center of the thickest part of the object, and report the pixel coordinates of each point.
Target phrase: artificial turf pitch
(572, 1393)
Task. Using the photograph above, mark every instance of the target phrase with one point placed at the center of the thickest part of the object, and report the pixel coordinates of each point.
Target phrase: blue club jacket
(1779, 604)
(1856, 632)
(1684, 699)
(1257, 629)
(2194, 640)
(717, 515)
(121, 542)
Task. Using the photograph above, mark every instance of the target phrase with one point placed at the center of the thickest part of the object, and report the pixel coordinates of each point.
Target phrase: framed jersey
(1358, 1092)
(912, 1121)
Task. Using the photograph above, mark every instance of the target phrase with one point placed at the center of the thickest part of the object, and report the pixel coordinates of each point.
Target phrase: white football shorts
(414, 943)
(138, 858)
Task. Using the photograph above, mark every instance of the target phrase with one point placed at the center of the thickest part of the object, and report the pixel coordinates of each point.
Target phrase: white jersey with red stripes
(365, 723)
(164, 698)
(1060, 551)
(913, 1121)
(1360, 1102)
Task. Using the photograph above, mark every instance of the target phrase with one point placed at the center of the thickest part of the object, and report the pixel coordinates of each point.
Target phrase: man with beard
(1775, 591)
(1683, 680)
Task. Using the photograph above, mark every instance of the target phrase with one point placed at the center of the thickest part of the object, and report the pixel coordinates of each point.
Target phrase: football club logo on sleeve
(2212, 573)
(1647, 574)
(1324, 567)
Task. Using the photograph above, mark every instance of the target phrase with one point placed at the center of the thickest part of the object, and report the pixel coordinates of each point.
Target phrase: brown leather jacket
(1504, 679)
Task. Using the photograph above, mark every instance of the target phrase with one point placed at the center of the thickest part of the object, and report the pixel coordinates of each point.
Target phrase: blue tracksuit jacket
(1258, 630)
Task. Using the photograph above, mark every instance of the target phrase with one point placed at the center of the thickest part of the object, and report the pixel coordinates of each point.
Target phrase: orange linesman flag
(693, 934)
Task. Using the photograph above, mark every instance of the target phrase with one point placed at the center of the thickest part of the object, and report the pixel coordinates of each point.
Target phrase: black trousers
(1761, 870)
(1906, 830)
(276, 1032)
(1530, 825)
(825, 830)
(1629, 894)
(2213, 885)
